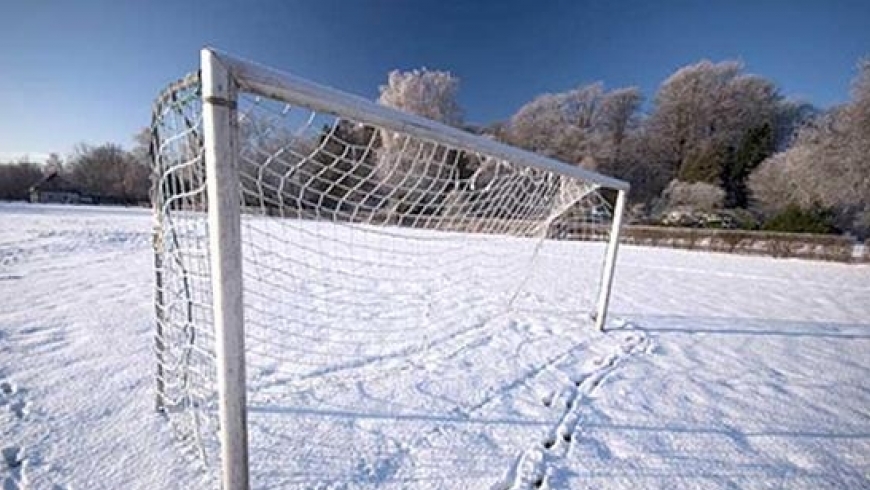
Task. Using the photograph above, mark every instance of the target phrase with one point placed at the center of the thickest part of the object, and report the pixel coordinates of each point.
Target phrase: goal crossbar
(268, 82)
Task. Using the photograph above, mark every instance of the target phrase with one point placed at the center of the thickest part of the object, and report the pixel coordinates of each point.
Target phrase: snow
(717, 371)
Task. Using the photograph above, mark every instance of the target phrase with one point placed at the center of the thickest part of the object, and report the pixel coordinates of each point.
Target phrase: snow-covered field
(718, 372)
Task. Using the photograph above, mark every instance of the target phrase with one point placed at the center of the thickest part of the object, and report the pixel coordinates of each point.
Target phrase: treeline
(718, 146)
(106, 173)
(715, 146)
(16, 178)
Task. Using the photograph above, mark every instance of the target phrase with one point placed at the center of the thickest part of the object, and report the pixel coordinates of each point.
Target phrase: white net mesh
(363, 251)
(185, 336)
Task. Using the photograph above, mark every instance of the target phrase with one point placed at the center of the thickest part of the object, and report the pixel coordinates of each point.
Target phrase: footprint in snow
(19, 408)
(13, 456)
(6, 389)
(13, 460)
(9, 395)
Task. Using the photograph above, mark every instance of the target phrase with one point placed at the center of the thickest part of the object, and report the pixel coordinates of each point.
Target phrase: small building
(53, 188)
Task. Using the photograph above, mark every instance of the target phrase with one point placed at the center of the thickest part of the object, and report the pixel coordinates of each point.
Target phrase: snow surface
(717, 371)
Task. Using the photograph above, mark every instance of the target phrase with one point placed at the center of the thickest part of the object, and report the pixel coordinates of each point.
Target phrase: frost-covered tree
(857, 121)
(783, 179)
(703, 114)
(17, 177)
(413, 170)
(109, 171)
(618, 115)
(637, 164)
(828, 164)
(54, 163)
(698, 196)
(570, 126)
(427, 93)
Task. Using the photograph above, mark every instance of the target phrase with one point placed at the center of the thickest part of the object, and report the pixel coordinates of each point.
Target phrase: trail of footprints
(529, 472)
(531, 469)
(12, 457)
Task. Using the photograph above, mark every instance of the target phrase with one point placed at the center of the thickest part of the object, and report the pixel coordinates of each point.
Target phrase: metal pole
(159, 340)
(220, 125)
(610, 262)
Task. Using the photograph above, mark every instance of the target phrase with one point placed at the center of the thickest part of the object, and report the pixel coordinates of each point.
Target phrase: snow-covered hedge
(798, 245)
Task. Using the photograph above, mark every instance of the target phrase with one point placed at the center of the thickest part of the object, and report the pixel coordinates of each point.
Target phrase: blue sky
(87, 70)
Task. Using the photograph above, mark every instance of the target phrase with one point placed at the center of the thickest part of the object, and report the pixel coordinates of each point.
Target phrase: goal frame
(223, 78)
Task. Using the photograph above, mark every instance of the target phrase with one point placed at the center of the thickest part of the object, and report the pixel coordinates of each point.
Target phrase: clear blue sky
(87, 70)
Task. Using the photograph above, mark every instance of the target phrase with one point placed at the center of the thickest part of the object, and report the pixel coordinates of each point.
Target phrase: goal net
(358, 239)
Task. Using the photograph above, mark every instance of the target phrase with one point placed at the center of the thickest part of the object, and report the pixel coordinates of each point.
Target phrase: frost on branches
(427, 93)
(827, 165)
(419, 171)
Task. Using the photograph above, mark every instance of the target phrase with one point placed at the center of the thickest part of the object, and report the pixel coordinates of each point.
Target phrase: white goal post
(288, 213)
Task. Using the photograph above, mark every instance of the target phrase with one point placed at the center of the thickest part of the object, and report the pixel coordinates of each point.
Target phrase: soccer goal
(302, 232)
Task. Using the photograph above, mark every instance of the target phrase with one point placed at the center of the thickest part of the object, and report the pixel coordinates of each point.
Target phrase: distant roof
(54, 182)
